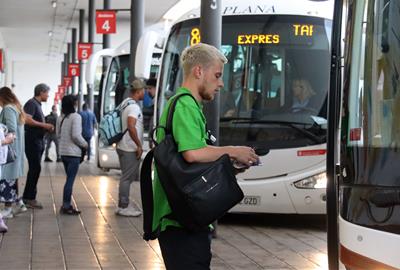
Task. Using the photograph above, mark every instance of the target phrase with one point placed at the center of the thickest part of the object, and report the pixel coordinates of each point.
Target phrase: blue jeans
(71, 166)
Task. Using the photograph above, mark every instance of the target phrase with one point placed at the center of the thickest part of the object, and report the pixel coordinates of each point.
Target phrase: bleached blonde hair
(200, 54)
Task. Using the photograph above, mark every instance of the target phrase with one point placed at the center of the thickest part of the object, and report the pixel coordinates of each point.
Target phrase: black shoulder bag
(198, 193)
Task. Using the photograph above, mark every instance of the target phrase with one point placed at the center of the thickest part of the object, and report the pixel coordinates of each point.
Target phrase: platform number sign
(106, 22)
(67, 81)
(84, 50)
(73, 70)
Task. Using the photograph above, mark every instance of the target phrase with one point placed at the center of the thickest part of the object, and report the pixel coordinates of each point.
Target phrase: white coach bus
(274, 98)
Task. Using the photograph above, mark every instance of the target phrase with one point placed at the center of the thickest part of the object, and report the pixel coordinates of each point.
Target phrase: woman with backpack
(72, 146)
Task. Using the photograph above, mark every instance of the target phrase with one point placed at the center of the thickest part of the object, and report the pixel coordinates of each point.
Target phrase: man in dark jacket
(51, 118)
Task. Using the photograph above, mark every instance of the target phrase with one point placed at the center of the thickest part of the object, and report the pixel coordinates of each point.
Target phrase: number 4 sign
(84, 50)
(106, 22)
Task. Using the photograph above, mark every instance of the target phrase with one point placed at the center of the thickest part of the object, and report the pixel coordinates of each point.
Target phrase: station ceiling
(25, 24)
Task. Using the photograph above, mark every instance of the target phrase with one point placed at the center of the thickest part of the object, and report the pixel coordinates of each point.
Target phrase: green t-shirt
(189, 130)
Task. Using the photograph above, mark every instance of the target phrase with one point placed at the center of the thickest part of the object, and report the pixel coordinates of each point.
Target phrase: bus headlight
(315, 181)
(104, 157)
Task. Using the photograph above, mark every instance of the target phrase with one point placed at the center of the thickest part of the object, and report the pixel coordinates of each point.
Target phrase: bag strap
(146, 192)
(171, 110)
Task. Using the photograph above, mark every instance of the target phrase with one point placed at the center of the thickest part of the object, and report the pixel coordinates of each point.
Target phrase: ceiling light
(54, 4)
(50, 33)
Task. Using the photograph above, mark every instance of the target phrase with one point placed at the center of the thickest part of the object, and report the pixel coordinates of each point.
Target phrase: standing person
(35, 128)
(202, 78)
(148, 104)
(13, 117)
(88, 124)
(130, 148)
(4, 140)
(69, 132)
(51, 118)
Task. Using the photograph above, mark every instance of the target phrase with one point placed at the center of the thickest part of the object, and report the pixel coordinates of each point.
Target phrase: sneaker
(34, 204)
(3, 226)
(128, 212)
(47, 159)
(7, 212)
(19, 207)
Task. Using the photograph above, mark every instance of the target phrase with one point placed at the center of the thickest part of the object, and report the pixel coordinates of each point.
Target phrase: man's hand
(139, 152)
(245, 155)
(49, 127)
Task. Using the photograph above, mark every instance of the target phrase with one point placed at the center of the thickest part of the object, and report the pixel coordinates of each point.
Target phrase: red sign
(355, 134)
(73, 70)
(61, 89)
(106, 22)
(84, 50)
(316, 152)
(1, 61)
(67, 81)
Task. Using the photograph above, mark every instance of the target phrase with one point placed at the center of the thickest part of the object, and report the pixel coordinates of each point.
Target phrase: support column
(137, 26)
(81, 62)
(73, 60)
(106, 39)
(69, 57)
(91, 26)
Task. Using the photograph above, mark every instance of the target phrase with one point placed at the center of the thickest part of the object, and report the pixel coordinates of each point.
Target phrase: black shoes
(69, 211)
(47, 159)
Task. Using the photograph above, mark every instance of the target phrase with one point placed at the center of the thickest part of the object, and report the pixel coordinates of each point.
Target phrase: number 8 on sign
(195, 36)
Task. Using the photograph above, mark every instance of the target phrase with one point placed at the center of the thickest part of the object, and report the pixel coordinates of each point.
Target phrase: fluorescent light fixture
(54, 4)
(50, 33)
(180, 8)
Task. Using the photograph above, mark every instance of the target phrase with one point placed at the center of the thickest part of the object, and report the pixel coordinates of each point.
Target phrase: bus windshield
(275, 81)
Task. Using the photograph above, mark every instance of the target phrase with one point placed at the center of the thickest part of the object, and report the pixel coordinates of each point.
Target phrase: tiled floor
(98, 239)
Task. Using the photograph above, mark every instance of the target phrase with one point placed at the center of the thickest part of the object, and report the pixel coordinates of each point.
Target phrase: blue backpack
(110, 126)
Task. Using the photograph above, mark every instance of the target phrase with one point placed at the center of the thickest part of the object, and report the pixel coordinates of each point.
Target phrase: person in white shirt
(130, 149)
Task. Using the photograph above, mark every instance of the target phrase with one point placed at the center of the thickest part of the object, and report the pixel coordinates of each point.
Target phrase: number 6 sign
(106, 22)
(73, 70)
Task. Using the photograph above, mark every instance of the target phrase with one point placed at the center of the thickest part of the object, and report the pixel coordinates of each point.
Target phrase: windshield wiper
(305, 132)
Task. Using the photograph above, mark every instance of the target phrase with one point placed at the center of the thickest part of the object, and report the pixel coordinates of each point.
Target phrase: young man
(130, 148)
(35, 128)
(51, 118)
(202, 77)
(88, 124)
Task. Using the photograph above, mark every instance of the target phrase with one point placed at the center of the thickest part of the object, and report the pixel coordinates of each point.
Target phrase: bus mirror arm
(382, 198)
(261, 151)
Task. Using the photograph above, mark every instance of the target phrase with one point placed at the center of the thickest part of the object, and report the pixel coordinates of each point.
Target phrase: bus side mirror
(144, 53)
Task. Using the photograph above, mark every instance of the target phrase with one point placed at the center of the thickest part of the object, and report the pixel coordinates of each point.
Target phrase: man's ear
(197, 71)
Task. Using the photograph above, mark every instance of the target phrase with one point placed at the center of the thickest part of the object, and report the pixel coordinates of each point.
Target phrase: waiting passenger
(4, 140)
(130, 148)
(13, 117)
(302, 94)
(89, 122)
(50, 137)
(35, 128)
(69, 132)
(202, 77)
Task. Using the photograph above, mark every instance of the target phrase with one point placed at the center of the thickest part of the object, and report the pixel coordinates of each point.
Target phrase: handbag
(11, 154)
(198, 193)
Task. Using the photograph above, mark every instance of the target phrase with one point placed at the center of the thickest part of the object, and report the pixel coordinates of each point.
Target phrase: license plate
(251, 200)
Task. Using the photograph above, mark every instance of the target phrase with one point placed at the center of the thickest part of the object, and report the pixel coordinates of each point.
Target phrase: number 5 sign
(84, 50)
(106, 21)
(73, 70)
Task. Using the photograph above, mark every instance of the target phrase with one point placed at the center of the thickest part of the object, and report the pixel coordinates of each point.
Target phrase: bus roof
(323, 9)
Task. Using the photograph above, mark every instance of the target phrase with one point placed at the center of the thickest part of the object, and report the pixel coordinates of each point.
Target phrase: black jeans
(34, 151)
(184, 250)
(88, 152)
